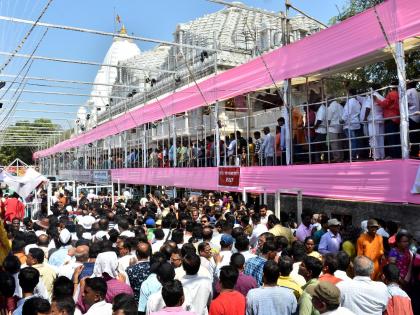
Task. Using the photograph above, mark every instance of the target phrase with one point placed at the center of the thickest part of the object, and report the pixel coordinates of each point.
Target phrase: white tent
(23, 185)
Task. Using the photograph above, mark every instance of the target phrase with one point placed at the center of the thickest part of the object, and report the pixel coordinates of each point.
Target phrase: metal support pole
(248, 127)
(307, 122)
(125, 137)
(299, 206)
(119, 188)
(287, 121)
(216, 115)
(402, 92)
(174, 139)
(277, 204)
(244, 196)
(49, 193)
(144, 147)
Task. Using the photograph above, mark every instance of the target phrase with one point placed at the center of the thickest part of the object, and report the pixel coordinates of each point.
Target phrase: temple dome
(121, 49)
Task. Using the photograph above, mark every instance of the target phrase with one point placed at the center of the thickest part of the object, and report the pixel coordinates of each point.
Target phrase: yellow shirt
(288, 282)
(47, 275)
(350, 249)
(280, 230)
(5, 245)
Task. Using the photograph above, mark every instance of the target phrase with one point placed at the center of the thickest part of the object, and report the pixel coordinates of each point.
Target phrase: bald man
(43, 242)
(140, 271)
(81, 253)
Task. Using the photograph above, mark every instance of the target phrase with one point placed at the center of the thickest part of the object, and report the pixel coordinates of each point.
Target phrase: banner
(229, 176)
(101, 177)
(16, 170)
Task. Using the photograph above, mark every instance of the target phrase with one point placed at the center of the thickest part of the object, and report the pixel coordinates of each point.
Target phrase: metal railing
(320, 132)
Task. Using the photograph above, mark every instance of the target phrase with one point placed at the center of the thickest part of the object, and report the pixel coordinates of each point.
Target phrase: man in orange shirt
(371, 245)
(391, 110)
(329, 266)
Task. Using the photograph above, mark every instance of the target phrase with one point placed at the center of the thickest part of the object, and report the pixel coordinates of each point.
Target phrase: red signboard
(229, 176)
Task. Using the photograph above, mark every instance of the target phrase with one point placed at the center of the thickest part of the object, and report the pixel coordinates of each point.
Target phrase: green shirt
(305, 301)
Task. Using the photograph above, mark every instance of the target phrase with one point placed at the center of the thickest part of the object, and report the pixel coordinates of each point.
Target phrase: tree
(26, 128)
(354, 7)
(380, 73)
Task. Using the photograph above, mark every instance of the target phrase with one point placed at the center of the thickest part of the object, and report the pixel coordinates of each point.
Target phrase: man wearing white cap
(58, 257)
(331, 241)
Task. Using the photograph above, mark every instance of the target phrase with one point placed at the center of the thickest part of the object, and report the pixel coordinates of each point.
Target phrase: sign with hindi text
(229, 176)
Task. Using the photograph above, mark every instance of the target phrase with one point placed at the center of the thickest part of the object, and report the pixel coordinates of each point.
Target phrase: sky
(147, 18)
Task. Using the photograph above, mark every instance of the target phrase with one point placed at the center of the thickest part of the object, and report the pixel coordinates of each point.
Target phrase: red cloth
(330, 278)
(14, 209)
(228, 303)
(391, 106)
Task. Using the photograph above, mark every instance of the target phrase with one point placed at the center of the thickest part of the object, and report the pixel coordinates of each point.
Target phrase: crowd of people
(209, 254)
(364, 125)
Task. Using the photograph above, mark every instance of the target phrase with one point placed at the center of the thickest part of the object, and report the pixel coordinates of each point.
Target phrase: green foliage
(352, 8)
(25, 128)
(380, 73)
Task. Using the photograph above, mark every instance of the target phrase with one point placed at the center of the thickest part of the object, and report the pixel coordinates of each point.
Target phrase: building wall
(408, 215)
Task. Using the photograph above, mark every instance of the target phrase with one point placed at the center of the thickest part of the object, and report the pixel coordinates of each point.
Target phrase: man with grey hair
(362, 295)
(81, 255)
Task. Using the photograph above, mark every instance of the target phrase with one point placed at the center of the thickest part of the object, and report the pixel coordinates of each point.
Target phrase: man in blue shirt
(268, 147)
(331, 241)
(57, 258)
(270, 298)
(161, 272)
(254, 266)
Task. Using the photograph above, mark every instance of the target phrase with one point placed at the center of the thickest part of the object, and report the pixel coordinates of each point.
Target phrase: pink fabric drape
(347, 41)
(381, 181)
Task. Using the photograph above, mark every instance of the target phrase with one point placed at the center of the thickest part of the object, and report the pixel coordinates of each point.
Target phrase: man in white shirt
(232, 149)
(268, 147)
(85, 219)
(351, 120)
(242, 247)
(199, 288)
(81, 255)
(94, 297)
(413, 100)
(334, 113)
(373, 114)
(258, 229)
(206, 257)
(343, 264)
(320, 132)
(91, 195)
(226, 243)
(362, 295)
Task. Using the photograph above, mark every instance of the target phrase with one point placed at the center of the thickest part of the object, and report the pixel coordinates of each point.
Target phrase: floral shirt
(137, 274)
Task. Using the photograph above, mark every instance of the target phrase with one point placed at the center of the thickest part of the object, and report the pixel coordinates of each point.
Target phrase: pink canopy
(358, 36)
(381, 181)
